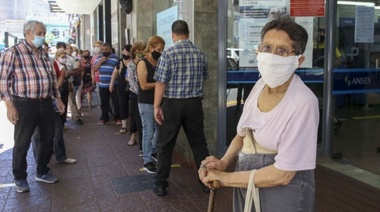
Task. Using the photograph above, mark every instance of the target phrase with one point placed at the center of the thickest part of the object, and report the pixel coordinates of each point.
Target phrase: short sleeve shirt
(106, 70)
(183, 68)
(290, 128)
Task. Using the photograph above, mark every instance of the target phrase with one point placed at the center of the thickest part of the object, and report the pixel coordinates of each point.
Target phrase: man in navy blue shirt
(106, 64)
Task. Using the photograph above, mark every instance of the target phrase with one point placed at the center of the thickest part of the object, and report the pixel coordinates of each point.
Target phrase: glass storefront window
(356, 75)
(357, 85)
(246, 19)
(165, 12)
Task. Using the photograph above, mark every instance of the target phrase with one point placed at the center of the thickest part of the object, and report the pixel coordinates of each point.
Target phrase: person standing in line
(76, 73)
(96, 52)
(135, 121)
(59, 64)
(120, 74)
(180, 74)
(77, 55)
(58, 140)
(64, 89)
(105, 64)
(88, 87)
(145, 72)
(71, 71)
(28, 84)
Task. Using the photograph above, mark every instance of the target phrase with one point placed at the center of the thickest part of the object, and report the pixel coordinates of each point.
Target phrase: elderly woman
(277, 132)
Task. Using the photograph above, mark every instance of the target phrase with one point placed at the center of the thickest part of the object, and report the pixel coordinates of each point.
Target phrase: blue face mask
(38, 41)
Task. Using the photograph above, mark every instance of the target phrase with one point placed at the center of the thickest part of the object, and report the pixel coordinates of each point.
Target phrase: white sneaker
(68, 161)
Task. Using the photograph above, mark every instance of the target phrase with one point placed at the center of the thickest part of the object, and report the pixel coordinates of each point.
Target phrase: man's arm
(6, 73)
(113, 78)
(158, 96)
(12, 113)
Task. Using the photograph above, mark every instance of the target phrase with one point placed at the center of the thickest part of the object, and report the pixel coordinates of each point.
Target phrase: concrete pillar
(206, 38)
(206, 19)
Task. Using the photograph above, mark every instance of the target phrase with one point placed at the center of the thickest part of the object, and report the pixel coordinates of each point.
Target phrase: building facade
(341, 64)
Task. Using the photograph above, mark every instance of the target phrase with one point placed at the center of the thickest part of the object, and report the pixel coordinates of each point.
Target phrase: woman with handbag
(120, 76)
(276, 139)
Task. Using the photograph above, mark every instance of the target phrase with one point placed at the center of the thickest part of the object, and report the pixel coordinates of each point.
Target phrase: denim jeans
(135, 121)
(149, 130)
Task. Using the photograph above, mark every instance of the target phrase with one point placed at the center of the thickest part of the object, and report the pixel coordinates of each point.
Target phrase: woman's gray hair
(282, 21)
(30, 25)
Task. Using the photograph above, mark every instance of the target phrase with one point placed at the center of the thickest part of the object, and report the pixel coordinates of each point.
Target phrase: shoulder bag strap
(252, 195)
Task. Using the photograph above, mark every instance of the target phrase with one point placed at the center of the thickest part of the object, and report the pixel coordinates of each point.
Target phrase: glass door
(245, 22)
(356, 87)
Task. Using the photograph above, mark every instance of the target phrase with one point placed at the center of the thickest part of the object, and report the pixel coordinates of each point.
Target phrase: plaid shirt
(183, 68)
(24, 75)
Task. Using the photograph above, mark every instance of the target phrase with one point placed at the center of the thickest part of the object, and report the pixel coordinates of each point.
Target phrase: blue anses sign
(351, 81)
(346, 81)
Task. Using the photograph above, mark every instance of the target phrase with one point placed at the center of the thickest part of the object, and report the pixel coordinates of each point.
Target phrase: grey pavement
(106, 177)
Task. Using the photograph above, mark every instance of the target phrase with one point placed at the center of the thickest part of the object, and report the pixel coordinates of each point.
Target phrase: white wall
(114, 6)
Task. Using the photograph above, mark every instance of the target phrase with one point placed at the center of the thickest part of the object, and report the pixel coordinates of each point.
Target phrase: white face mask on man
(275, 69)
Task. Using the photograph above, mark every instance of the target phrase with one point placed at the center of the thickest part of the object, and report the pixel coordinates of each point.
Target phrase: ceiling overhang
(54, 8)
(78, 7)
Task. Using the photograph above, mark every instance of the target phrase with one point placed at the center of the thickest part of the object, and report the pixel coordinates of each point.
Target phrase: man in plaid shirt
(28, 84)
(180, 73)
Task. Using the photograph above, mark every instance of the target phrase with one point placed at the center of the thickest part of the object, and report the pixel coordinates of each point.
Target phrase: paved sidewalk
(107, 177)
(97, 182)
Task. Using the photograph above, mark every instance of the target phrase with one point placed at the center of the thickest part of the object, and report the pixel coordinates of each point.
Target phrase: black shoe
(150, 167)
(79, 122)
(21, 186)
(204, 187)
(160, 190)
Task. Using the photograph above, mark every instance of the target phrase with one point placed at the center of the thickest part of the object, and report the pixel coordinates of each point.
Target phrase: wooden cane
(211, 200)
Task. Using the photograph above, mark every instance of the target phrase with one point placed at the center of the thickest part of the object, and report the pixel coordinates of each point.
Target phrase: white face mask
(96, 50)
(74, 54)
(62, 60)
(275, 69)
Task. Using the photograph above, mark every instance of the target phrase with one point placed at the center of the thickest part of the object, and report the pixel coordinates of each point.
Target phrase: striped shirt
(24, 75)
(106, 70)
(132, 77)
(183, 68)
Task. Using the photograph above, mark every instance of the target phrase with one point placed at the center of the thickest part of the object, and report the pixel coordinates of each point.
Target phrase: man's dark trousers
(105, 95)
(32, 114)
(58, 141)
(187, 113)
